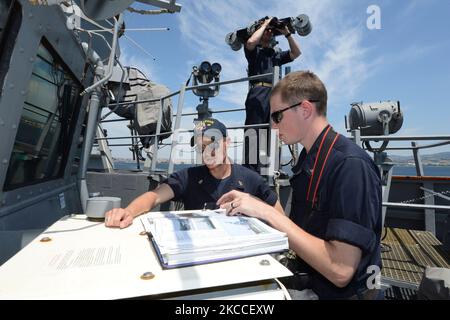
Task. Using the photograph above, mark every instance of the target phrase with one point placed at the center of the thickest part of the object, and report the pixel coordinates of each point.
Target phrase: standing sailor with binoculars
(262, 58)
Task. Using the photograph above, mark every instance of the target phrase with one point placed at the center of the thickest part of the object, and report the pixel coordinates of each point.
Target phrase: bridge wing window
(46, 127)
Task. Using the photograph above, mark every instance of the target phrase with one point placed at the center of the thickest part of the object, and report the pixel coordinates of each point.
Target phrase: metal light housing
(377, 118)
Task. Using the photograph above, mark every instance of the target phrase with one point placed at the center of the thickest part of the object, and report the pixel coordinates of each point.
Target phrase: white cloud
(139, 60)
(343, 67)
(413, 53)
(410, 9)
(333, 50)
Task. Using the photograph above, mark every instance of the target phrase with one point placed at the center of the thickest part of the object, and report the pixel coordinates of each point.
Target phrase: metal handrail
(203, 86)
(440, 144)
(428, 146)
(248, 126)
(184, 115)
(275, 74)
(230, 110)
(405, 138)
(162, 144)
(179, 115)
(415, 206)
(212, 111)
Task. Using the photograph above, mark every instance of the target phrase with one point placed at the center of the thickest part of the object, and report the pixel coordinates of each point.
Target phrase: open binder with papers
(187, 238)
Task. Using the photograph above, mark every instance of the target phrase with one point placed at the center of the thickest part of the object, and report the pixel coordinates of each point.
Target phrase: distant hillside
(429, 157)
(437, 156)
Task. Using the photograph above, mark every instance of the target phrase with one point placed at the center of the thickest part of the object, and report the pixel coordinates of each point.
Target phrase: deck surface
(409, 253)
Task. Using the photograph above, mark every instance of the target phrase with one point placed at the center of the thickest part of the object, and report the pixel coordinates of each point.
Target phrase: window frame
(64, 133)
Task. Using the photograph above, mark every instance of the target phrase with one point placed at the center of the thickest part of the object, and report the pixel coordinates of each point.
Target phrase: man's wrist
(131, 213)
(287, 35)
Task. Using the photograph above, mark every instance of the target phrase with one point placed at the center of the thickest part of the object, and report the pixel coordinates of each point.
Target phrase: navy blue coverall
(257, 108)
(348, 209)
(195, 186)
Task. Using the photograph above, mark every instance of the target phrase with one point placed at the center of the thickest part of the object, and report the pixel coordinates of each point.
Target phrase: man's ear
(227, 141)
(307, 109)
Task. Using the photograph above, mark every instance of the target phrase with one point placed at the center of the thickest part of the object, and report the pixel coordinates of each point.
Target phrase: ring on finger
(232, 206)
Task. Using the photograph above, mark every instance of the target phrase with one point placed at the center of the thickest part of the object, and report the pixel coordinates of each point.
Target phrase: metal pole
(385, 188)
(136, 150)
(119, 94)
(90, 130)
(158, 132)
(177, 126)
(356, 136)
(417, 159)
(276, 145)
(105, 153)
(112, 58)
(430, 214)
(434, 193)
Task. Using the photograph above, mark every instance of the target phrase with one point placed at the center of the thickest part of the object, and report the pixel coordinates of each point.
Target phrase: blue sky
(408, 59)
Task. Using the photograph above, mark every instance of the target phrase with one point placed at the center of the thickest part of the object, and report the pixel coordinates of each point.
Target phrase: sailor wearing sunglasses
(335, 223)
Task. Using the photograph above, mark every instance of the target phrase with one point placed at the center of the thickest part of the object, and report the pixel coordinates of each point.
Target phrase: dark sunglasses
(213, 146)
(277, 116)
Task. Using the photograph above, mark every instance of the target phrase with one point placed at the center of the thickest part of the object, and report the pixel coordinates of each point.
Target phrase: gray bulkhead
(41, 144)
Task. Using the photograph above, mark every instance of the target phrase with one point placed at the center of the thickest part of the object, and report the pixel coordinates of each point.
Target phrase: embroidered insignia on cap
(203, 124)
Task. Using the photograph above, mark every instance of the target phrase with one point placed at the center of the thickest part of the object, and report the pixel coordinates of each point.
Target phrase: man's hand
(238, 202)
(122, 218)
(118, 217)
(255, 38)
(267, 21)
(284, 31)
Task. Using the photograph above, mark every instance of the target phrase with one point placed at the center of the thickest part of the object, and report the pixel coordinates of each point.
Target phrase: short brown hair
(303, 85)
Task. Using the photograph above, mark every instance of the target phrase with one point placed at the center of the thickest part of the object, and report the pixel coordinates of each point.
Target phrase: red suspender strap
(317, 160)
(326, 145)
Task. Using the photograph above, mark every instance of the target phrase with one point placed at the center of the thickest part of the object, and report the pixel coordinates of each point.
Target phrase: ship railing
(273, 160)
(433, 189)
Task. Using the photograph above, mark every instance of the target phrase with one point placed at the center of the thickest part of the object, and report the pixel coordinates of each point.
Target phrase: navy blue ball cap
(209, 127)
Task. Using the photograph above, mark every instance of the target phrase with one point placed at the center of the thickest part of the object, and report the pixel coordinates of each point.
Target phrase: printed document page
(196, 236)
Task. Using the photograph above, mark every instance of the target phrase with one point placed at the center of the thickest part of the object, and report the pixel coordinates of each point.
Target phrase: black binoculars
(300, 24)
(277, 24)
